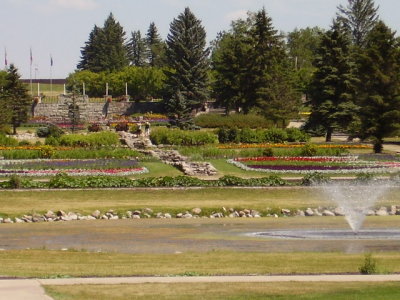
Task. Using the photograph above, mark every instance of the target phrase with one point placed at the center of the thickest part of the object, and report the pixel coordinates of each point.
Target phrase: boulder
(339, 211)
(309, 212)
(196, 211)
(96, 214)
(328, 213)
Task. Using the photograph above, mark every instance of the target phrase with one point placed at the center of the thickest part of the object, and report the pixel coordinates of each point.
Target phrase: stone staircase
(170, 157)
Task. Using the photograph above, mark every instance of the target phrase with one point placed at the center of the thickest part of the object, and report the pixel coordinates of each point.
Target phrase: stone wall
(91, 111)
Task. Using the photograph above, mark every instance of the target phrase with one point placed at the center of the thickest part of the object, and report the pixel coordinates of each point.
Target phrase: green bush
(369, 265)
(178, 137)
(275, 135)
(309, 150)
(232, 121)
(314, 178)
(268, 152)
(24, 143)
(7, 141)
(46, 151)
(49, 130)
(296, 135)
(92, 140)
(15, 182)
(5, 129)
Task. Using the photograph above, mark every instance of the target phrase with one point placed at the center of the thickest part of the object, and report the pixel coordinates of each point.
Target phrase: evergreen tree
(105, 50)
(187, 56)
(230, 64)
(379, 65)
(272, 89)
(14, 100)
(138, 50)
(359, 17)
(156, 53)
(179, 111)
(333, 87)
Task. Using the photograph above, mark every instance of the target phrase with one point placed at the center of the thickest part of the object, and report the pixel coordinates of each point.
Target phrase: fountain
(354, 200)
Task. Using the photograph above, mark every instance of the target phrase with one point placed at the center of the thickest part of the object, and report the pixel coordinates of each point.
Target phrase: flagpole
(51, 75)
(30, 72)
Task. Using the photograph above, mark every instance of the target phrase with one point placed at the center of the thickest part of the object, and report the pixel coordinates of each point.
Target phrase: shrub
(369, 265)
(49, 130)
(308, 150)
(95, 127)
(46, 151)
(296, 135)
(43, 132)
(365, 177)
(5, 129)
(24, 143)
(92, 140)
(249, 136)
(314, 178)
(182, 137)
(275, 135)
(15, 182)
(232, 121)
(7, 141)
(268, 152)
(122, 127)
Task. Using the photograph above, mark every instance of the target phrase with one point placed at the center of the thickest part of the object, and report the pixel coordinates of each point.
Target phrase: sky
(59, 28)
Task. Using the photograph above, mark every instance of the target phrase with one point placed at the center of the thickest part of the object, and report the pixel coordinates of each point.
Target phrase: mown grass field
(14, 203)
(281, 291)
(58, 264)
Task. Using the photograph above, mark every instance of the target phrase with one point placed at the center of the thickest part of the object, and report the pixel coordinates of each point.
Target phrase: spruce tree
(187, 57)
(379, 68)
(105, 50)
(229, 63)
(359, 17)
(14, 100)
(272, 86)
(138, 50)
(333, 87)
(156, 53)
(179, 111)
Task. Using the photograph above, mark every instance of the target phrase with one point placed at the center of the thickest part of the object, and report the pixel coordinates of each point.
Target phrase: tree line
(347, 76)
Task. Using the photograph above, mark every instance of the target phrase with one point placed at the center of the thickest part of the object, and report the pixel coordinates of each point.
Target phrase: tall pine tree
(14, 100)
(105, 50)
(333, 87)
(187, 56)
(230, 63)
(379, 66)
(156, 53)
(138, 50)
(359, 17)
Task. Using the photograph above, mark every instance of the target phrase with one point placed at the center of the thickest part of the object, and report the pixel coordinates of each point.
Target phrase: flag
(5, 57)
(31, 56)
(51, 60)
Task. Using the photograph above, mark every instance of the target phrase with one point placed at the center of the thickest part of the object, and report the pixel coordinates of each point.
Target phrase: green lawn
(53, 264)
(222, 291)
(85, 201)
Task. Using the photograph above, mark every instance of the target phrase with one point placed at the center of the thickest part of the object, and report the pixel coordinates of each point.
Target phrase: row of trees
(108, 50)
(356, 85)
(349, 73)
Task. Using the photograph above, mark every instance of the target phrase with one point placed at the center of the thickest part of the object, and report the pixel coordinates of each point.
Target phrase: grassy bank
(289, 290)
(53, 264)
(15, 203)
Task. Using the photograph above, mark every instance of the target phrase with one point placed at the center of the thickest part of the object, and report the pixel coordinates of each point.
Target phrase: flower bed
(77, 167)
(305, 165)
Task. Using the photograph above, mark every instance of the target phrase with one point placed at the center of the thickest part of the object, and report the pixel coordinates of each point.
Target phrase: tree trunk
(329, 135)
(14, 129)
(378, 146)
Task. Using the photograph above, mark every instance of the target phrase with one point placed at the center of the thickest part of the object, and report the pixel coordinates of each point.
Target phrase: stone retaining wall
(90, 111)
